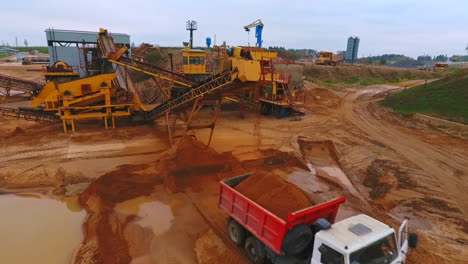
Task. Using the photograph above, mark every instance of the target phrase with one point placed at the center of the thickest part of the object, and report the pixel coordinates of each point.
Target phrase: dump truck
(310, 235)
(328, 58)
(440, 67)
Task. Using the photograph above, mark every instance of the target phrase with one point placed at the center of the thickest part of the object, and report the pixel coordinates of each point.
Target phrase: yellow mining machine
(97, 97)
(84, 98)
(238, 71)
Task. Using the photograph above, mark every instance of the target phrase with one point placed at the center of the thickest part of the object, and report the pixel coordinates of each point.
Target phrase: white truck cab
(361, 239)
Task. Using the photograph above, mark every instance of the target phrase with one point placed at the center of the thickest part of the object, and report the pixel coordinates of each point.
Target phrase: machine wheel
(236, 232)
(297, 239)
(266, 109)
(254, 250)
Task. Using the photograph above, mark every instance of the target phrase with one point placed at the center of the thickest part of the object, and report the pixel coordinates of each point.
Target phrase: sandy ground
(150, 203)
(27, 72)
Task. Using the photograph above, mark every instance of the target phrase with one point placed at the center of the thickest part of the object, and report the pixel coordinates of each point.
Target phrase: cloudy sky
(410, 27)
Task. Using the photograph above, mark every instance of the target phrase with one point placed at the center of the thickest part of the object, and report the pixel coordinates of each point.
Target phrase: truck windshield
(380, 252)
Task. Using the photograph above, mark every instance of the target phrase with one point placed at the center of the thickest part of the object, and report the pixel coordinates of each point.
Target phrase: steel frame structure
(11, 83)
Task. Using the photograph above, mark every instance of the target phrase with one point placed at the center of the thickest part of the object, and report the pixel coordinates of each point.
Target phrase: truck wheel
(236, 232)
(297, 239)
(254, 250)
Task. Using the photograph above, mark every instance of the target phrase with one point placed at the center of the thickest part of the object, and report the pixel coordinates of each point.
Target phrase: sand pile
(18, 131)
(271, 192)
(193, 159)
(317, 95)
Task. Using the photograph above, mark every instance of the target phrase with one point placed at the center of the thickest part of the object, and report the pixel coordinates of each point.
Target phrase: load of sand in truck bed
(274, 194)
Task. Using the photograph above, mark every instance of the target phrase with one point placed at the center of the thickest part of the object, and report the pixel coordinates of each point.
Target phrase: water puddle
(156, 216)
(151, 214)
(38, 230)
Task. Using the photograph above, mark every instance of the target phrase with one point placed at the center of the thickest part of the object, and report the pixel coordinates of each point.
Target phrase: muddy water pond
(34, 229)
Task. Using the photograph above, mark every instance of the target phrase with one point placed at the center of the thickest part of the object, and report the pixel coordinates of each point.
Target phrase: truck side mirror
(413, 240)
(323, 224)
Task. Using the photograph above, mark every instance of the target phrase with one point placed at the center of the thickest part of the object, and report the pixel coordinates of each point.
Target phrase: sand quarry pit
(147, 202)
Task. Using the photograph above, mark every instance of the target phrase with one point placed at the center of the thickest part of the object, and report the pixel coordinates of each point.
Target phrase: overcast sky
(410, 27)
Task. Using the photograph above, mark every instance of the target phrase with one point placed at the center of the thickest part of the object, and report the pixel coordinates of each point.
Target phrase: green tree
(424, 58)
(441, 58)
(383, 62)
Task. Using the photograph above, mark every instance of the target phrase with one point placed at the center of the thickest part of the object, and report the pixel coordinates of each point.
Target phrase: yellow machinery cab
(194, 61)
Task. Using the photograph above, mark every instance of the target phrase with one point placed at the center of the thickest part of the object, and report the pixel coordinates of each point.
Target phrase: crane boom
(258, 24)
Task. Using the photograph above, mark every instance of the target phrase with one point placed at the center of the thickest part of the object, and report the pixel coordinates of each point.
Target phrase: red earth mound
(274, 194)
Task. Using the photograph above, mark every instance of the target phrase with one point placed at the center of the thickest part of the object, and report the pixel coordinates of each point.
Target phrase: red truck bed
(267, 227)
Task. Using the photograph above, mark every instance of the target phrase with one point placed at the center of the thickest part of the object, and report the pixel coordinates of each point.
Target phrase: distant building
(68, 45)
(352, 50)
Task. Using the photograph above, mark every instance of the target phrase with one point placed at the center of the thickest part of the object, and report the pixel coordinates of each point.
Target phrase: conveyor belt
(18, 84)
(215, 83)
(29, 114)
(154, 71)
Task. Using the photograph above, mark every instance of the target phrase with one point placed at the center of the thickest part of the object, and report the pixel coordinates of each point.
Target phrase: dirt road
(442, 165)
(437, 168)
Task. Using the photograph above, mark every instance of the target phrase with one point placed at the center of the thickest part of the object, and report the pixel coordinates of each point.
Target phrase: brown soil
(344, 73)
(189, 167)
(27, 72)
(103, 228)
(321, 96)
(423, 170)
(384, 175)
(192, 161)
(274, 194)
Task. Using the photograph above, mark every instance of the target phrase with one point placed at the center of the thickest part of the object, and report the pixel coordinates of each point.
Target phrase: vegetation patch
(445, 98)
(5, 55)
(338, 78)
(27, 49)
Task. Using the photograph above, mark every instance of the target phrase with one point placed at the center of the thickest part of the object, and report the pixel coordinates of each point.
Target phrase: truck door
(403, 240)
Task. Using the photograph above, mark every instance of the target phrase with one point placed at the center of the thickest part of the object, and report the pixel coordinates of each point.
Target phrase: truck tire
(237, 232)
(297, 239)
(254, 250)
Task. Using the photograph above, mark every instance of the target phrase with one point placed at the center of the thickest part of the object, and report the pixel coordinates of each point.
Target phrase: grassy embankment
(4, 55)
(26, 49)
(338, 78)
(446, 98)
